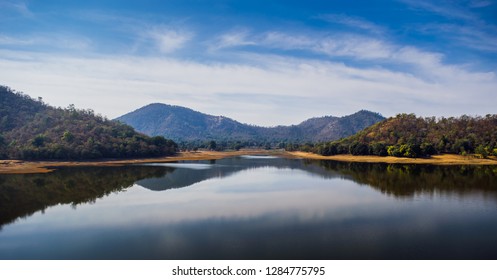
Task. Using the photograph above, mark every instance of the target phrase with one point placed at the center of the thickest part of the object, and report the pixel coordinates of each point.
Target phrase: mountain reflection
(23, 195)
(391, 179)
(182, 176)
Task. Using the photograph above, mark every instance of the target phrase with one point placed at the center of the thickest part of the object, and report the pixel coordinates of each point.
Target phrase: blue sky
(259, 62)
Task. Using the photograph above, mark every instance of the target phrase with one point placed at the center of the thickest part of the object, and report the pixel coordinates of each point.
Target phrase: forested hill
(409, 136)
(322, 128)
(183, 124)
(31, 129)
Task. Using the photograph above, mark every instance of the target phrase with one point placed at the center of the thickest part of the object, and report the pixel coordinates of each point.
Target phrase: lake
(251, 207)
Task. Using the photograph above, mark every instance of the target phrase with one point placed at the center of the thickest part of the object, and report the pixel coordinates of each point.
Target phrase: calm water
(251, 208)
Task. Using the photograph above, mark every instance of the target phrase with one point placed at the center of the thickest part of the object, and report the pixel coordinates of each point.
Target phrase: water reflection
(410, 180)
(392, 179)
(23, 194)
(251, 208)
(184, 176)
(196, 166)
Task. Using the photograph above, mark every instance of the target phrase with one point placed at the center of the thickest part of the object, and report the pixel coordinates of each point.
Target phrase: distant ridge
(183, 124)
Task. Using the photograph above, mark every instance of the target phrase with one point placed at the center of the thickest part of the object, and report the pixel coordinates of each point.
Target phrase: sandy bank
(437, 159)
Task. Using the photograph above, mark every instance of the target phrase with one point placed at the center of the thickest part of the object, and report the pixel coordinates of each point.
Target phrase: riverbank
(446, 159)
(26, 167)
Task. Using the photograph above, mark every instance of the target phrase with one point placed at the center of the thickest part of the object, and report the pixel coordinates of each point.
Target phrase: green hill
(406, 135)
(186, 125)
(31, 129)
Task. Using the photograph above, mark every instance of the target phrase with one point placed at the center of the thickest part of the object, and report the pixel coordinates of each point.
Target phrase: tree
(68, 136)
(427, 149)
(379, 149)
(358, 149)
(212, 145)
(393, 151)
(482, 151)
(39, 140)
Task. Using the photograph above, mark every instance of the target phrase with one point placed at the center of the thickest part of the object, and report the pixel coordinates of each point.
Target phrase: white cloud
(361, 48)
(280, 90)
(357, 47)
(414, 56)
(235, 38)
(168, 40)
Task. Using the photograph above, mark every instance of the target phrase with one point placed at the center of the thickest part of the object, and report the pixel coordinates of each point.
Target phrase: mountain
(31, 129)
(324, 128)
(184, 124)
(406, 135)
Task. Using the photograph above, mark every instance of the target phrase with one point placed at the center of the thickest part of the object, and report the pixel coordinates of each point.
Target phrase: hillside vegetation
(409, 136)
(30, 129)
(194, 129)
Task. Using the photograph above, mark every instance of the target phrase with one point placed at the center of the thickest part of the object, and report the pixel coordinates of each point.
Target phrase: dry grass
(438, 159)
(21, 167)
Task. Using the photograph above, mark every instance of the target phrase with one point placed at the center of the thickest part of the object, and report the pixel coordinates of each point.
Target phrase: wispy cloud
(58, 41)
(360, 48)
(234, 38)
(285, 41)
(444, 8)
(169, 40)
(353, 22)
(356, 47)
(141, 33)
(468, 29)
(9, 40)
(19, 7)
(480, 3)
(482, 38)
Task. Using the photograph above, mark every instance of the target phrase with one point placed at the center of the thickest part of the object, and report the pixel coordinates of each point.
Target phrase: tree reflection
(409, 180)
(24, 194)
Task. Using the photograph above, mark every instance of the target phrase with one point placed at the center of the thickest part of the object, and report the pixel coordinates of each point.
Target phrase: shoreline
(445, 159)
(30, 167)
(44, 166)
